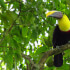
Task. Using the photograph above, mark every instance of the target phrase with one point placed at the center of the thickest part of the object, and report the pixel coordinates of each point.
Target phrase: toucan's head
(63, 21)
(55, 14)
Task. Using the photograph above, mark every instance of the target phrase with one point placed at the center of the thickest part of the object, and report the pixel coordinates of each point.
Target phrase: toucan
(61, 34)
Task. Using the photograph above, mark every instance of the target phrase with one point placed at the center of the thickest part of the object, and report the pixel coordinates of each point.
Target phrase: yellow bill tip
(50, 13)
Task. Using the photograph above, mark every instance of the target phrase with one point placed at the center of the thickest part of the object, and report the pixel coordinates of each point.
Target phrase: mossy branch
(45, 56)
(52, 52)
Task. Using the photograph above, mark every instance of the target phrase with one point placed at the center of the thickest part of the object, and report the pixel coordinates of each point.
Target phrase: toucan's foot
(63, 53)
(68, 42)
(58, 47)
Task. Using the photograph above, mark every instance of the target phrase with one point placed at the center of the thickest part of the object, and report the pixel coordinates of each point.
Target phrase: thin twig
(28, 58)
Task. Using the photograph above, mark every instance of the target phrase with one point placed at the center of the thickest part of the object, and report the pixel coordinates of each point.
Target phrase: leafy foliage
(24, 29)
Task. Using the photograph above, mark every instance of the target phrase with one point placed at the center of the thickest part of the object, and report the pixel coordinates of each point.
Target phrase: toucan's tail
(58, 60)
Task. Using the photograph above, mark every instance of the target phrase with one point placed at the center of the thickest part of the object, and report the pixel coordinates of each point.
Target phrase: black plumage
(59, 38)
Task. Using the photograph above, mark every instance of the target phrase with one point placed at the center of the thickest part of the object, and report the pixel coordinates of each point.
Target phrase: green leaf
(8, 58)
(15, 4)
(41, 50)
(11, 16)
(50, 62)
(24, 31)
(2, 4)
(34, 35)
(17, 39)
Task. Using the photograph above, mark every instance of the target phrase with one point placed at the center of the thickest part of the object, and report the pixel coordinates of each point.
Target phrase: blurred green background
(26, 33)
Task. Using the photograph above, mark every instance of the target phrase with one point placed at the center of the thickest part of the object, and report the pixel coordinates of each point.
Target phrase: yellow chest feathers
(64, 23)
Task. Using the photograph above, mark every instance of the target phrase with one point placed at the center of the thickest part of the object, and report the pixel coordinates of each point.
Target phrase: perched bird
(61, 34)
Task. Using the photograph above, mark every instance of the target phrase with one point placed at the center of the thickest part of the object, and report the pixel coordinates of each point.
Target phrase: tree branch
(52, 52)
(28, 58)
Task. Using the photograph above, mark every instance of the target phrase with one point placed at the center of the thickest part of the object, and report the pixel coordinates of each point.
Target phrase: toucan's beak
(55, 14)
